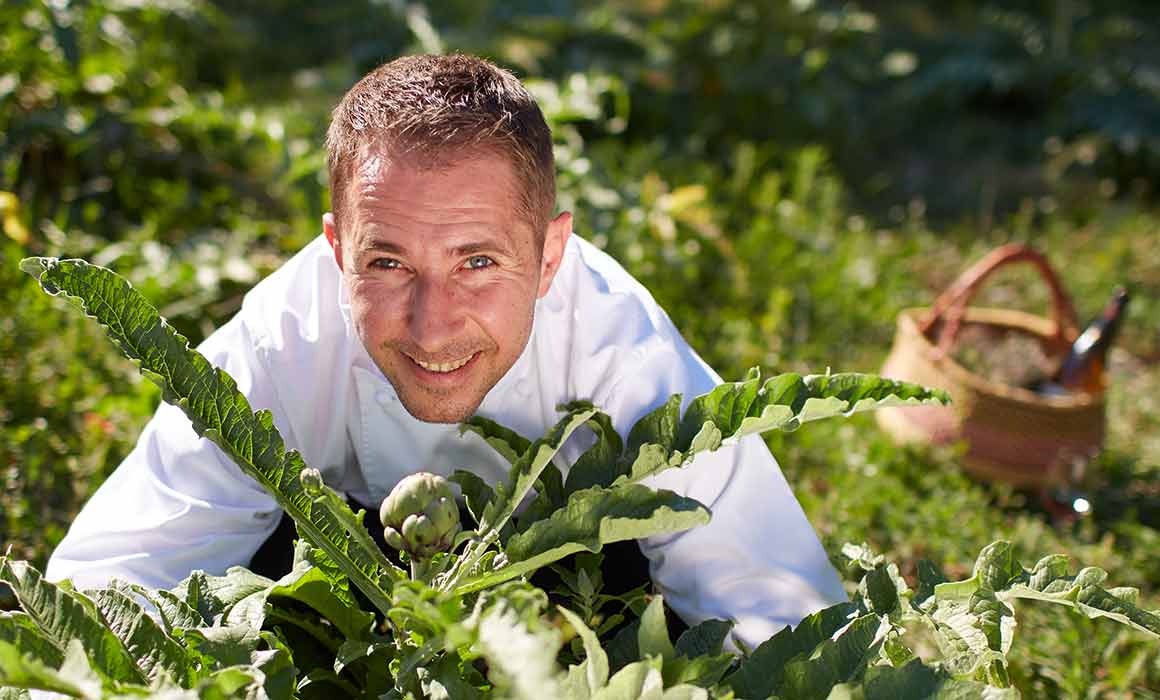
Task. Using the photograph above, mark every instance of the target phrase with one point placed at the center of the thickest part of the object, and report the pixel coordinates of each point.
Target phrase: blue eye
(478, 262)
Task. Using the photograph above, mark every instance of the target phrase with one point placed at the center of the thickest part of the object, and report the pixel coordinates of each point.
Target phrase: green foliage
(247, 632)
(784, 177)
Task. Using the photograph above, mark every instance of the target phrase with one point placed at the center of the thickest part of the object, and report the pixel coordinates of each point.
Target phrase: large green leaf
(1048, 581)
(214, 596)
(591, 519)
(174, 612)
(64, 615)
(19, 629)
(219, 412)
(313, 587)
(1093, 601)
(735, 409)
(664, 438)
(811, 676)
(155, 652)
(762, 672)
(19, 670)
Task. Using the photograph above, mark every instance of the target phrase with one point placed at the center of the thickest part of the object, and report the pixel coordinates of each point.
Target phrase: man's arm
(758, 561)
(177, 502)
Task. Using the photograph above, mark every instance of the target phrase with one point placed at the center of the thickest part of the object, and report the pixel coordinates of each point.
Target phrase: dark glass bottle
(1083, 368)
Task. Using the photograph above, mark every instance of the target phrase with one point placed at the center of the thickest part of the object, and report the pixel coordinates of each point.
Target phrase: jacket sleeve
(177, 502)
(758, 561)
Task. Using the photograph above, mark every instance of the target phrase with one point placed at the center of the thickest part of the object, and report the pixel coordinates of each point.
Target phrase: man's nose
(436, 315)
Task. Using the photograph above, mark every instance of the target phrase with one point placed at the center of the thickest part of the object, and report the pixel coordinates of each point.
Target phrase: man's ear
(555, 240)
(332, 238)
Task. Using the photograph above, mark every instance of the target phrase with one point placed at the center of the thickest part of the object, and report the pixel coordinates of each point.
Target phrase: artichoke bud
(422, 515)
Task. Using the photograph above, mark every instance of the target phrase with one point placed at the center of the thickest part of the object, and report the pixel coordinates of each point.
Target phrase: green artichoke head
(420, 515)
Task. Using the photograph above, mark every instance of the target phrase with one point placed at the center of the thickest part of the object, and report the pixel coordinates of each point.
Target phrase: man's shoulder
(614, 334)
(301, 300)
(601, 293)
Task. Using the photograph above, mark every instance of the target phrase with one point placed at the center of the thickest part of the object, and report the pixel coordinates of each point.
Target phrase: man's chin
(433, 410)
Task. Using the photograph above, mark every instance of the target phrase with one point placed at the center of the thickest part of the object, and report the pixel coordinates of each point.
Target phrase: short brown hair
(442, 108)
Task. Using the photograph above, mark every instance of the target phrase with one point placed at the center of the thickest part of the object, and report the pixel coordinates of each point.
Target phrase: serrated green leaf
(276, 664)
(914, 681)
(23, 671)
(997, 566)
(339, 581)
(722, 408)
(734, 410)
(155, 652)
(314, 588)
(658, 427)
(761, 674)
(229, 646)
(929, 576)
(214, 596)
(173, 611)
(597, 516)
(591, 519)
(218, 411)
(995, 619)
(650, 459)
(702, 671)
(19, 629)
(836, 660)
(1092, 601)
(64, 615)
(1048, 569)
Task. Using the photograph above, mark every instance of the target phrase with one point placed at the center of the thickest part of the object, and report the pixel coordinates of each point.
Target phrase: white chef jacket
(178, 503)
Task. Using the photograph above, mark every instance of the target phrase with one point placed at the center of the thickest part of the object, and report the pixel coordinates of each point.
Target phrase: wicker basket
(1013, 434)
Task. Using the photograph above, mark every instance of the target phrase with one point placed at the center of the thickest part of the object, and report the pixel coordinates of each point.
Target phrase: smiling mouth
(443, 367)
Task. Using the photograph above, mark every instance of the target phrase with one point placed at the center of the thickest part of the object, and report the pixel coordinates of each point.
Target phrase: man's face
(443, 271)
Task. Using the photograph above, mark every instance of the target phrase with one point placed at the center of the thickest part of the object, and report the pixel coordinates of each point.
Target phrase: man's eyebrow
(463, 249)
(383, 246)
(476, 247)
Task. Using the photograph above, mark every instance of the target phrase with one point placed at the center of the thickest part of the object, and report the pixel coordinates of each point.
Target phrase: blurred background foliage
(784, 176)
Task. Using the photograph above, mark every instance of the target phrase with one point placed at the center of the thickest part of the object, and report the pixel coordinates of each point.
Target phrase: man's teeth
(443, 366)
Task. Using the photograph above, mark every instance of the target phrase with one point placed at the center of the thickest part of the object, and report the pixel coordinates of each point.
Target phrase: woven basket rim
(908, 320)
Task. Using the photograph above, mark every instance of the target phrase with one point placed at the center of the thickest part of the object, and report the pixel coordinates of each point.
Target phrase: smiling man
(444, 286)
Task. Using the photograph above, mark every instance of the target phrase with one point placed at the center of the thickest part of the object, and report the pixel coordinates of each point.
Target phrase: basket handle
(951, 305)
